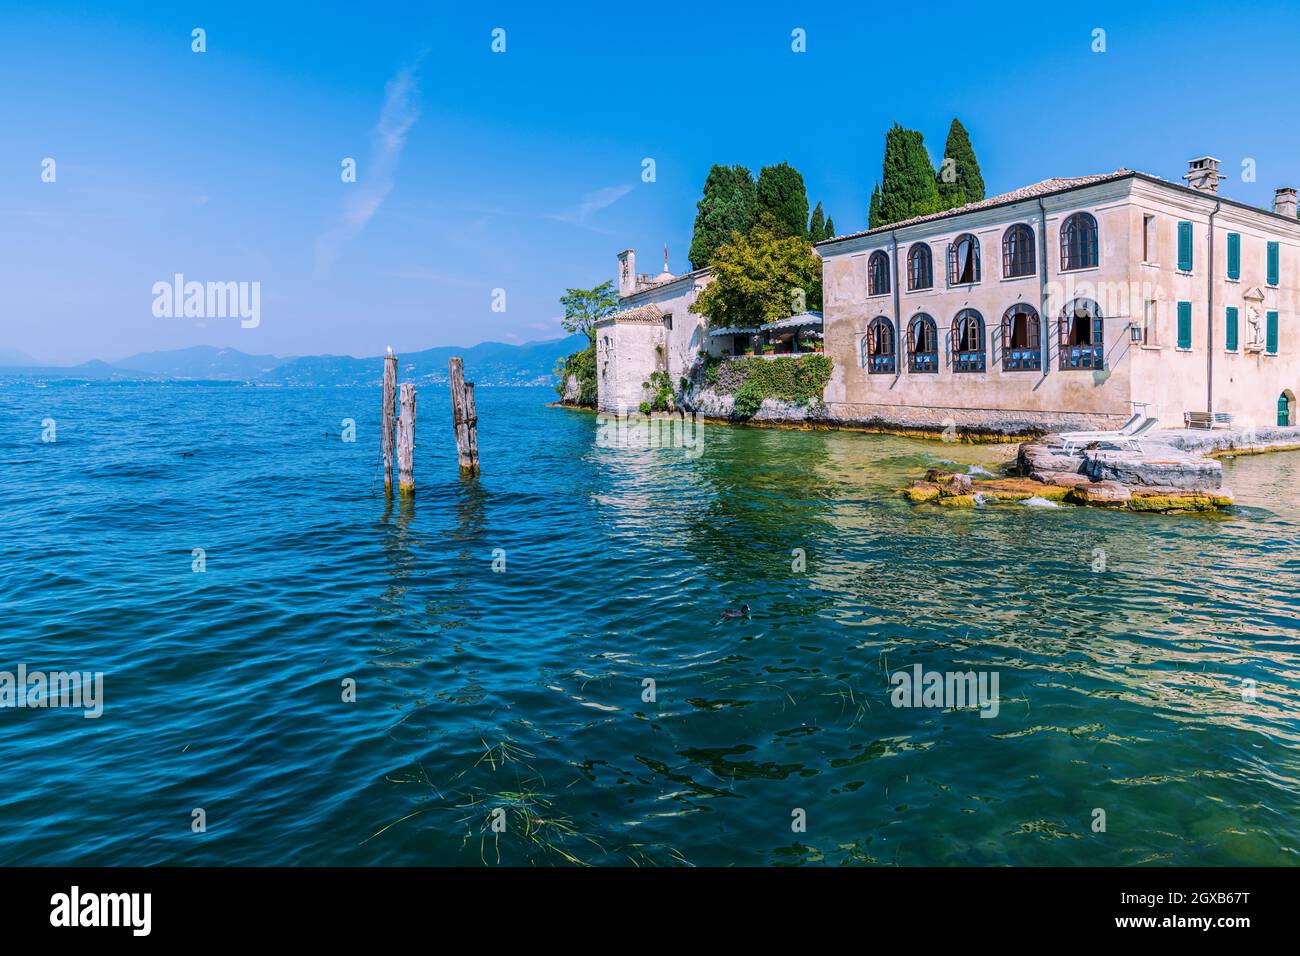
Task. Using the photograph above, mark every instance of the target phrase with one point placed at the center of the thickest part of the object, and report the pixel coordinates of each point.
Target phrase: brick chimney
(1203, 174)
(1284, 202)
(627, 272)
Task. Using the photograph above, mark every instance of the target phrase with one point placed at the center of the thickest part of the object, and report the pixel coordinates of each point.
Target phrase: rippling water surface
(522, 689)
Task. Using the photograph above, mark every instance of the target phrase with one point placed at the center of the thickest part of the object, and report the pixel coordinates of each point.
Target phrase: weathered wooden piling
(386, 436)
(471, 425)
(464, 418)
(406, 441)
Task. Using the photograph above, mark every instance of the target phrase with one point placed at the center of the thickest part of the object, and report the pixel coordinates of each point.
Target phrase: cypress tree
(817, 225)
(726, 206)
(783, 200)
(830, 228)
(959, 178)
(875, 216)
(908, 181)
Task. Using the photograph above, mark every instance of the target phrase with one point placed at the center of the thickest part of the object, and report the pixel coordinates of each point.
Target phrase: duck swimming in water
(743, 612)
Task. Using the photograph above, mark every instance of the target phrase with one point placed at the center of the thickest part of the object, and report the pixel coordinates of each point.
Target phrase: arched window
(1021, 343)
(878, 273)
(1018, 251)
(920, 267)
(922, 344)
(964, 260)
(1078, 242)
(1082, 345)
(968, 341)
(878, 353)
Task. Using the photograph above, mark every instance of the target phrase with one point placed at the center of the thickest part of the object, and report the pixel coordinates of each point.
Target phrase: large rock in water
(1166, 471)
(1040, 458)
(572, 390)
(950, 484)
(1170, 500)
(1101, 493)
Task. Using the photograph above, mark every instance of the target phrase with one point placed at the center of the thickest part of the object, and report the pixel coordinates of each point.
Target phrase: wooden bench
(1206, 420)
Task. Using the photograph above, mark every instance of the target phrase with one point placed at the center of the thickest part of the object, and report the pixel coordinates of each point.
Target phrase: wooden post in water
(390, 400)
(471, 426)
(464, 418)
(406, 442)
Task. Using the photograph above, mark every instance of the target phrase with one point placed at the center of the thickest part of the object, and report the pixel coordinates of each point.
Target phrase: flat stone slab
(1167, 471)
(1220, 441)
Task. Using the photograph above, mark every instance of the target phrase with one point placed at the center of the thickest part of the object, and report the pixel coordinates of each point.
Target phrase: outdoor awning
(734, 331)
(802, 320)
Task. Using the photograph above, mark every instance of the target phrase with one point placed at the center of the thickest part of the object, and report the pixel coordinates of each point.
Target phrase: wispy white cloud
(593, 202)
(374, 181)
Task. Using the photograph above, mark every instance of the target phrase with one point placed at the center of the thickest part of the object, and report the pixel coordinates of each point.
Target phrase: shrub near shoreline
(797, 379)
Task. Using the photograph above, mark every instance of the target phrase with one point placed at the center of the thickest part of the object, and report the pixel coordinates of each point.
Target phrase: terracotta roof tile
(650, 313)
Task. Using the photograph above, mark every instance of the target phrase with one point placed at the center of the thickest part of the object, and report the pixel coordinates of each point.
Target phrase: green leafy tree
(583, 308)
(727, 206)
(782, 200)
(908, 185)
(959, 179)
(582, 367)
(817, 225)
(875, 215)
(759, 277)
(820, 227)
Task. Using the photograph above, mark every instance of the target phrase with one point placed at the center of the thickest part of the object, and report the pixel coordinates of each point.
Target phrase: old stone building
(654, 332)
(1064, 304)
(1068, 303)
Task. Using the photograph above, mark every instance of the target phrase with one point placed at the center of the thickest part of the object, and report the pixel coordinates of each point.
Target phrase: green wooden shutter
(1272, 263)
(1184, 325)
(1234, 255)
(1270, 334)
(1231, 342)
(1185, 246)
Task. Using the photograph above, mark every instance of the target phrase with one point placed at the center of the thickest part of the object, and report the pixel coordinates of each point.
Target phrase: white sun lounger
(1120, 439)
(1075, 438)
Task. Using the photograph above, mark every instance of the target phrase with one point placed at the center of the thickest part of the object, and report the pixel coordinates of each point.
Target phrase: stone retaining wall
(983, 421)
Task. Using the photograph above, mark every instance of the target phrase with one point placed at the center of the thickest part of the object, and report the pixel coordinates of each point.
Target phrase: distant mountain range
(489, 363)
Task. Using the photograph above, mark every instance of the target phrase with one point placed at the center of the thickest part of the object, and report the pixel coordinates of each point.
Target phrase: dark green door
(1283, 409)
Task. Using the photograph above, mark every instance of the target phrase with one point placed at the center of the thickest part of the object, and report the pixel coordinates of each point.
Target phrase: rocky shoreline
(1162, 478)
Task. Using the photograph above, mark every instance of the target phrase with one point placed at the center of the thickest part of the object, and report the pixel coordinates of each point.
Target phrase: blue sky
(522, 170)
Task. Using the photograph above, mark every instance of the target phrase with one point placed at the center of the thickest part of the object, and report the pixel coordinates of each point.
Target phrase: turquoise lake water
(521, 689)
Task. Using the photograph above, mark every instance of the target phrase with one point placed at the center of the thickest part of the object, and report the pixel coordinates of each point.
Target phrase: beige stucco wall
(626, 354)
(631, 351)
(1246, 384)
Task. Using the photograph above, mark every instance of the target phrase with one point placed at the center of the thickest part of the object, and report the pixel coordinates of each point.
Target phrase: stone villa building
(1063, 304)
(655, 332)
